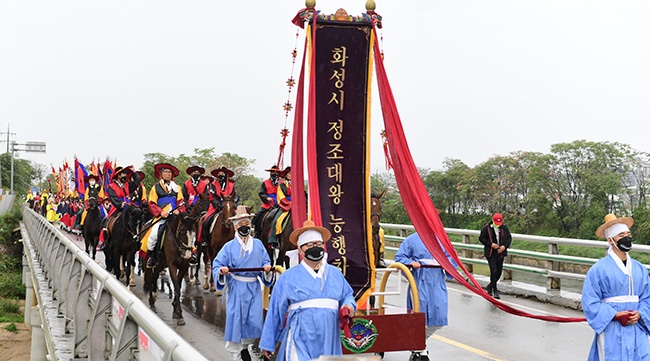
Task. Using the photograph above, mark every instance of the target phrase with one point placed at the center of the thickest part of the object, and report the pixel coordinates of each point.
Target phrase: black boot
(488, 289)
(496, 294)
(193, 260)
(151, 259)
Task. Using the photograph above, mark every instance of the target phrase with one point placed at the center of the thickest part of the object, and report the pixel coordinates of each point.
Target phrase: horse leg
(177, 279)
(122, 273)
(132, 270)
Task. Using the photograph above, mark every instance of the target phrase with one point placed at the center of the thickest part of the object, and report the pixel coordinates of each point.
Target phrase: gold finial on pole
(310, 4)
(370, 5)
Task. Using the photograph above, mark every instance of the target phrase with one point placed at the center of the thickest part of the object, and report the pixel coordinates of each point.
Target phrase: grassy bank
(12, 291)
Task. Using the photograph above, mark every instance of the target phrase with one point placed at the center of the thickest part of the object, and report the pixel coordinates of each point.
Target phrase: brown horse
(375, 218)
(176, 244)
(221, 232)
(277, 242)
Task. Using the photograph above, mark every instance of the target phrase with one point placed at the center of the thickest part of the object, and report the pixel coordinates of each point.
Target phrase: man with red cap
(193, 187)
(268, 194)
(165, 198)
(496, 240)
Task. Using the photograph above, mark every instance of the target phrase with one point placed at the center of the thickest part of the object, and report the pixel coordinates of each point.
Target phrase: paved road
(477, 330)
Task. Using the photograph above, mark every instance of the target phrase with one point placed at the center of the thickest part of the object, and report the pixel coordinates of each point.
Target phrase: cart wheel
(380, 354)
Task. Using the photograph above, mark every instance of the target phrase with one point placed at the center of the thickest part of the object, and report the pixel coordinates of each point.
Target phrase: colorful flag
(80, 174)
(107, 172)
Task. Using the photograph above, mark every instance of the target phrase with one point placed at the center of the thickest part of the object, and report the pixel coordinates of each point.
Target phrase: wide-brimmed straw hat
(285, 171)
(226, 171)
(160, 166)
(309, 225)
(610, 220)
(273, 169)
(91, 176)
(119, 170)
(240, 213)
(194, 168)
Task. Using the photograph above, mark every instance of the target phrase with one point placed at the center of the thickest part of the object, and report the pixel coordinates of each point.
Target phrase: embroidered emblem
(363, 336)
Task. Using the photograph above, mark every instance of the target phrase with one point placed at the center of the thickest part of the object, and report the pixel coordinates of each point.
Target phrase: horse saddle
(111, 223)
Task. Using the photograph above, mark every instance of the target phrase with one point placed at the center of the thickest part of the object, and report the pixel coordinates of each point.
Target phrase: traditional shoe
(496, 294)
(415, 356)
(102, 246)
(204, 243)
(193, 260)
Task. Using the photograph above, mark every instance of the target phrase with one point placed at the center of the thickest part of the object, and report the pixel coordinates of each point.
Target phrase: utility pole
(8, 143)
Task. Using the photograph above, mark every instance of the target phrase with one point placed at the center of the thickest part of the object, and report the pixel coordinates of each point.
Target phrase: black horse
(92, 227)
(176, 245)
(123, 244)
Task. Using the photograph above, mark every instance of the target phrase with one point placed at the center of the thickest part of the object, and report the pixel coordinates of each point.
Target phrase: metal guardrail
(554, 259)
(79, 311)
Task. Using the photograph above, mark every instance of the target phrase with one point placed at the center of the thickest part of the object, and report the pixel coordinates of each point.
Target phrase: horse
(176, 245)
(284, 243)
(197, 212)
(92, 227)
(123, 244)
(221, 232)
(375, 218)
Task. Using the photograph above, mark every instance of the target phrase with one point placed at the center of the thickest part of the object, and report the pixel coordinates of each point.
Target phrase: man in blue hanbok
(432, 289)
(311, 295)
(244, 317)
(616, 298)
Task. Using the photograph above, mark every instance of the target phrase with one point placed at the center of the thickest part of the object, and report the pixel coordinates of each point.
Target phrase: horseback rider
(210, 190)
(139, 194)
(105, 207)
(119, 192)
(93, 190)
(284, 188)
(193, 187)
(222, 187)
(164, 197)
(268, 195)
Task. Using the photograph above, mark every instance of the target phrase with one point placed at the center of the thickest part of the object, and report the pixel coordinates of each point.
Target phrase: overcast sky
(472, 79)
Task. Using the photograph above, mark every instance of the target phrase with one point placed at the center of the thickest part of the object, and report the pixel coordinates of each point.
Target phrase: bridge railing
(471, 253)
(77, 310)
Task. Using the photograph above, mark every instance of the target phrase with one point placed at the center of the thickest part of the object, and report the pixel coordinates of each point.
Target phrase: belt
(316, 303)
(243, 278)
(622, 299)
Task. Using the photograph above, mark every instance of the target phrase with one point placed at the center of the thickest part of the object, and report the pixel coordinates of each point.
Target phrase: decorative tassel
(389, 162)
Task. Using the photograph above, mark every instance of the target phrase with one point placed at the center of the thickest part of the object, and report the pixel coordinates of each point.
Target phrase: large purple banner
(342, 82)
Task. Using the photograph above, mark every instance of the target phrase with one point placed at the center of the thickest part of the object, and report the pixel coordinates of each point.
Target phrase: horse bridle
(181, 246)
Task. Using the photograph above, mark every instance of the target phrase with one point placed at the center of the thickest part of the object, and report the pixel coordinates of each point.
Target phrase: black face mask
(123, 179)
(221, 178)
(624, 244)
(196, 176)
(244, 231)
(315, 253)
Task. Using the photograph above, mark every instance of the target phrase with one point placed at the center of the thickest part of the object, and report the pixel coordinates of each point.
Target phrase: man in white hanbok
(244, 309)
(310, 296)
(616, 298)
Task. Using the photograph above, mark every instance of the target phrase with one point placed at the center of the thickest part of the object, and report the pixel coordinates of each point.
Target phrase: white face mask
(92, 182)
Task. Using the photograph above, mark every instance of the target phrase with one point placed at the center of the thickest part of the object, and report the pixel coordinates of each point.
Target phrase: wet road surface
(477, 330)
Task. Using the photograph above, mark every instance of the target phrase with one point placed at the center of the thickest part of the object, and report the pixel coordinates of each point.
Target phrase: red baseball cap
(497, 219)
